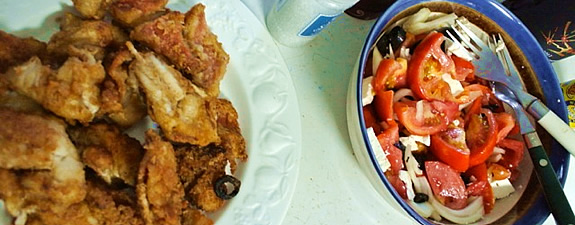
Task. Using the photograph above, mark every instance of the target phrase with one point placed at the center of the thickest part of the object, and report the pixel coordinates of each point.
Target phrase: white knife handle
(559, 130)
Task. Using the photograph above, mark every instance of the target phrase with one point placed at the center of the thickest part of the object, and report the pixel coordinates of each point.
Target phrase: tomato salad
(446, 139)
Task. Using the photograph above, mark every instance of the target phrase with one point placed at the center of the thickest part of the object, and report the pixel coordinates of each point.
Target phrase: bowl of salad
(431, 136)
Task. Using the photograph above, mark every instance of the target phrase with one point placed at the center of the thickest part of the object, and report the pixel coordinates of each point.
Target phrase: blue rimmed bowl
(528, 205)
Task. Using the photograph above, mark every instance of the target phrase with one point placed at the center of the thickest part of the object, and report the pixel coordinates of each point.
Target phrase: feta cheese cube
(410, 142)
(502, 188)
(367, 92)
(380, 156)
(404, 176)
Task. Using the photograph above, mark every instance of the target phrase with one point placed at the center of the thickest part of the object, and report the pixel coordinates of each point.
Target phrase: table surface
(331, 187)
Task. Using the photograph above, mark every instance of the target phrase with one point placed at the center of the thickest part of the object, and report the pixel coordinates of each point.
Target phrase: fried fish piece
(71, 92)
(10, 99)
(93, 9)
(15, 50)
(109, 152)
(206, 47)
(229, 132)
(186, 40)
(192, 216)
(183, 111)
(159, 190)
(93, 36)
(102, 205)
(38, 142)
(133, 12)
(199, 168)
(121, 98)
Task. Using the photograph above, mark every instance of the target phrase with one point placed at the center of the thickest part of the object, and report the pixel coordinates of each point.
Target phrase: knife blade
(552, 190)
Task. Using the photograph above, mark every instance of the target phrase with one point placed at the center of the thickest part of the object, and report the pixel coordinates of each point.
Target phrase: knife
(554, 125)
(552, 190)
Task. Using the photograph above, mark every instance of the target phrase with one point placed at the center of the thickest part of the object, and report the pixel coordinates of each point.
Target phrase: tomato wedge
(505, 124)
(387, 139)
(390, 74)
(383, 103)
(449, 146)
(471, 93)
(397, 184)
(514, 150)
(464, 70)
(427, 118)
(481, 136)
(426, 68)
(370, 119)
(446, 184)
(481, 186)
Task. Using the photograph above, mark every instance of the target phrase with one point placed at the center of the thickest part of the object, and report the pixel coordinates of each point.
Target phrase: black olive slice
(227, 187)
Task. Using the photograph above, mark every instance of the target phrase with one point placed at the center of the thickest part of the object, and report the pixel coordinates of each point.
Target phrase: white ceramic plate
(257, 82)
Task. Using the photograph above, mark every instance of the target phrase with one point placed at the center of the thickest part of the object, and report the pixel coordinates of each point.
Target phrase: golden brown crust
(53, 173)
(205, 46)
(93, 9)
(165, 36)
(71, 92)
(181, 109)
(195, 217)
(15, 50)
(159, 190)
(188, 43)
(230, 133)
(198, 179)
(133, 12)
(92, 36)
(27, 141)
(111, 154)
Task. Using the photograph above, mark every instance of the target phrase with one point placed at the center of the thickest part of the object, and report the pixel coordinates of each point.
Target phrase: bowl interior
(537, 74)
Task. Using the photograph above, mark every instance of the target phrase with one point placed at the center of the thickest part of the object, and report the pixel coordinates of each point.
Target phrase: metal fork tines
(497, 45)
(488, 66)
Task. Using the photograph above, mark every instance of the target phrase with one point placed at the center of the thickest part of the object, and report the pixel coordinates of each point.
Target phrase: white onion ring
(402, 93)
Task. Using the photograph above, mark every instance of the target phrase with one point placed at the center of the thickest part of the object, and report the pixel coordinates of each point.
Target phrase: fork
(500, 68)
(489, 66)
(545, 173)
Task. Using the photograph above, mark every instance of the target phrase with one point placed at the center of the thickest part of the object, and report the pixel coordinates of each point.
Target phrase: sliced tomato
(387, 139)
(514, 151)
(479, 172)
(426, 68)
(446, 184)
(498, 172)
(481, 136)
(473, 109)
(427, 118)
(505, 124)
(370, 119)
(397, 184)
(471, 93)
(383, 103)
(450, 147)
(464, 70)
(390, 74)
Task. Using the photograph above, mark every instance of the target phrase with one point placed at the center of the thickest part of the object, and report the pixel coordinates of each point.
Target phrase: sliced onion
(402, 93)
(424, 209)
(418, 23)
(419, 111)
(473, 212)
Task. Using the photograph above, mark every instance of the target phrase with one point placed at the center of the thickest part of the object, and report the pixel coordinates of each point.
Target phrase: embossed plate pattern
(258, 84)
